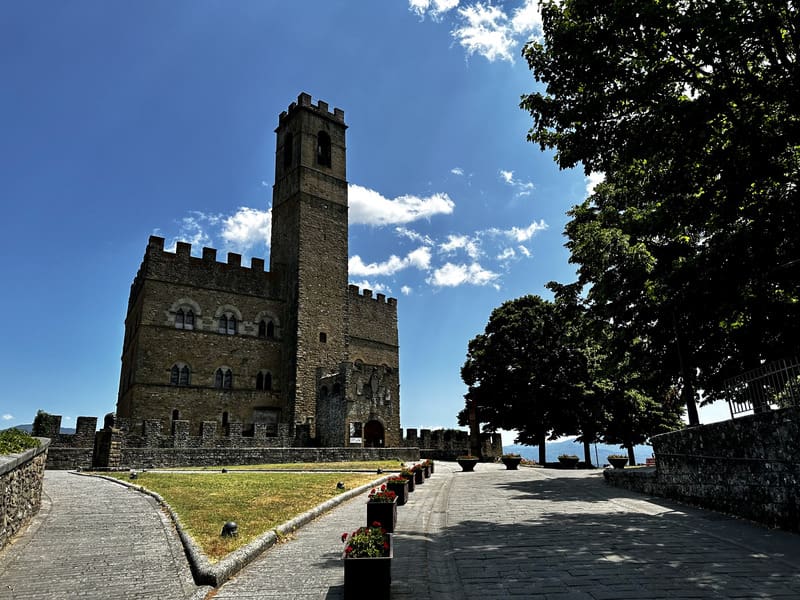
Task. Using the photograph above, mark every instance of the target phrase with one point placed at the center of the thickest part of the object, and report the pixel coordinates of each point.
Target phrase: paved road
(95, 539)
(535, 534)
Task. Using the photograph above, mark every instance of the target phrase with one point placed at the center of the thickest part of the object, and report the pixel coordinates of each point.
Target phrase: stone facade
(748, 467)
(292, 356)
(21, 477)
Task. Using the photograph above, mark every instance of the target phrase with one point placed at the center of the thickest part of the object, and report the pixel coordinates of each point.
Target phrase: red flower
(376, 523)
(344, 536)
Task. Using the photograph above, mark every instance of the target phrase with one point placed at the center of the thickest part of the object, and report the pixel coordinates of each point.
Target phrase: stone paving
(533, 533)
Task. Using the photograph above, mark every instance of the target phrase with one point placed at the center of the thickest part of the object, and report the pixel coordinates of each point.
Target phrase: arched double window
(223, 378)
(264, 381)
(227, 324)
(323, 149)
(180, 374)
(184, 319)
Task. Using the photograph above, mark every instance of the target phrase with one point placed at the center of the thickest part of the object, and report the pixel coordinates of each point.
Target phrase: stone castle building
(292, 353)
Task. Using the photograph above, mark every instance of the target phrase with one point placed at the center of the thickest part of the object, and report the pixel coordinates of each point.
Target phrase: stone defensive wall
(372, 318)
(182, 267)
(749, 467)
(447, 444)
(21, 478)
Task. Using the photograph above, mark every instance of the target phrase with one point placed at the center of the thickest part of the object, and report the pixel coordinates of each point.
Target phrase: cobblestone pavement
(95, 539)
(539, 535)
(533, 533)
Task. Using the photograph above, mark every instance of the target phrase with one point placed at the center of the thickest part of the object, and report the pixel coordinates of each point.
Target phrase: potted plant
(429, 462)
(409, 476)
(467, 462)
(419, 475)
(426, 468)
(398, 485)
(382, 507)
(568, 461)
(511, 461)
(618, 461)
(367, 560)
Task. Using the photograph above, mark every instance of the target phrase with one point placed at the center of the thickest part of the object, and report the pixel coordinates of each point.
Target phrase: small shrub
(16, 440)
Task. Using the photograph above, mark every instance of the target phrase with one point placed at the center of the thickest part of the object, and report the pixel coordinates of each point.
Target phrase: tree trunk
(587, 453)
(631, 456)
(542, 448)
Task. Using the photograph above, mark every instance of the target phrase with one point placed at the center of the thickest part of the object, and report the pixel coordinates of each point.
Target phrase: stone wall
(749, 467)
(447, 444)
(21, 478)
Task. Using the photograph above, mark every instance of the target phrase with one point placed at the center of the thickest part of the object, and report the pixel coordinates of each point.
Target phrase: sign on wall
(355, 432)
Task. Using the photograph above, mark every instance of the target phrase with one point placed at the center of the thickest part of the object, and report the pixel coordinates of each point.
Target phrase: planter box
(383, 512)
(568, 463)
(419, 476)
(511, 462)
(410, 480)
(618, 463)
(368, 577)
(467, 464)
(426, 472)
(400, 489)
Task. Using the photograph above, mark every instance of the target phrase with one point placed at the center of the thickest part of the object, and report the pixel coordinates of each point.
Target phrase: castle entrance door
(373, 434)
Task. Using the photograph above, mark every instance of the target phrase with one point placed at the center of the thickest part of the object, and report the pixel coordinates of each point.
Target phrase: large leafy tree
(692, 111)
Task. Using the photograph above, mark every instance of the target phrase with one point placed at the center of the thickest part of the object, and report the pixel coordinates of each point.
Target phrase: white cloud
(507, 254)
(457, 171)
(248, 228)
(524, 188)
(456, 242)
(414, 236)
(527, 18)
(405, 290)
(524, 250)
(485, 29)
(451, 275)
(368, 207)
(592, 180)
(419, 258)
(434, 8)
(521, 234)
(7, 417)
(378, 288)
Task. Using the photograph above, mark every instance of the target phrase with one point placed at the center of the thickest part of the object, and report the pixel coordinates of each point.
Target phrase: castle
(292, 356)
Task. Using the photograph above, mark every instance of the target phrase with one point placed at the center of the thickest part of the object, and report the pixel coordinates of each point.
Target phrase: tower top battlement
(321, 109)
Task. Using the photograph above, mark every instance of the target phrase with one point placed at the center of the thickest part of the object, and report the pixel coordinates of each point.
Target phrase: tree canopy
(689, 249)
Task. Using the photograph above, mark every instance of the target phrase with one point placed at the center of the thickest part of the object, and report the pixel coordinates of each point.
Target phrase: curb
(206, 573)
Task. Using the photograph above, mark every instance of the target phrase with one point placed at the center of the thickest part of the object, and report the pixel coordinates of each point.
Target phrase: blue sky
(119, 120)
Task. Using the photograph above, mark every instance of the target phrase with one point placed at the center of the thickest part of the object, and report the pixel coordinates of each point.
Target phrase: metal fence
(772, 385)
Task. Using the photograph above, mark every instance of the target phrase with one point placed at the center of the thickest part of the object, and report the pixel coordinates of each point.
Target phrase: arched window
(184, 319)
(262, 329)
(176, 415)
(288, 150)
(179, 319)
(180, 374)
(323, 149)
(189, 321)
(227, 324)
(223, 379)
(270, 329)
(264, 381)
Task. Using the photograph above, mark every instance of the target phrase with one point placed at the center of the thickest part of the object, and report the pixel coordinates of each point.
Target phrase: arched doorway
(373, 434)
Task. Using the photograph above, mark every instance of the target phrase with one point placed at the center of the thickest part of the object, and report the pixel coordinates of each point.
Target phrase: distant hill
(29, 428)
(600, 458)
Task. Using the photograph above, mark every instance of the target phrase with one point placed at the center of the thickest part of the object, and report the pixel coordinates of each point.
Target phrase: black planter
(467, 464)
(400, 489)
(410, 479)
(384, 513)
(511, 462)
(618, 463)
(568, 463)
(419, 476)
(373, 574)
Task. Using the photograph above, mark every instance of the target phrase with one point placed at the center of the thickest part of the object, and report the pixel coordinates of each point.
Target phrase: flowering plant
(396, 480)
(620, 456)
(382, 495)
(466, 457)
(567, 457)
(404, 472)
(364, 542)
(510, 455)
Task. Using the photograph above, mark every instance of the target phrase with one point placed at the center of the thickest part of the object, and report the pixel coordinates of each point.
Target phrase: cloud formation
(368, 207)
(524, 188)
(593, 180)
(492, 31)
(450, 275)
(248, 228)
(376, 287)
(7, 417)
(471, 245)
(419, 258)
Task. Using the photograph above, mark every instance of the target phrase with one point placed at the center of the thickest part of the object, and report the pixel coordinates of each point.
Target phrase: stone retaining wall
(749, 467)
(20, 489)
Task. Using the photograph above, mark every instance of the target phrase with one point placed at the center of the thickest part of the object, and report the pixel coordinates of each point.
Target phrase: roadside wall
(749, 467)
(21, 478)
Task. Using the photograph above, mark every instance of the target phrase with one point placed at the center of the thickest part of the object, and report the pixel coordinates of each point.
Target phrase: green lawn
(373, 465)
(257, 502)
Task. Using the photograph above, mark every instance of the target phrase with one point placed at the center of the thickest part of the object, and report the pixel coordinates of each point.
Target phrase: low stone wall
(21, 478)
(69, 458)
(748, 467)
(211, 457)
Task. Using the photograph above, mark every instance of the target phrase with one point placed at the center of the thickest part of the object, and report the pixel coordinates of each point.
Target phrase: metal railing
(772, 385)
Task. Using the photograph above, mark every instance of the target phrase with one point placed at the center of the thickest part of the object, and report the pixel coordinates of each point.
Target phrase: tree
(692, 112)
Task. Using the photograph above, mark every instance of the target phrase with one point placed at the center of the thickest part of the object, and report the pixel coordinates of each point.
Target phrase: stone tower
(309, 246)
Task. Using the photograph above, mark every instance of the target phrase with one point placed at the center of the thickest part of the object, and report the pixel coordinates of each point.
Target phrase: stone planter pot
(419, 476)
(430, 466)
(384, 513)
(410, 480)
(368, 577)
(568, 462)
(511, 462)
(467, 464)
(426, 472)
(618, 463)
(400, 489)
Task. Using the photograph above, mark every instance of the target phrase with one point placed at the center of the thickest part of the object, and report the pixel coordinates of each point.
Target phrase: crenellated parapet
(321, 109)
(447, 444)
(364, 295)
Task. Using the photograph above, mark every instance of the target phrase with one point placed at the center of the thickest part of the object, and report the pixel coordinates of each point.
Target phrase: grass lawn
(257, 502)
(372, 465)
